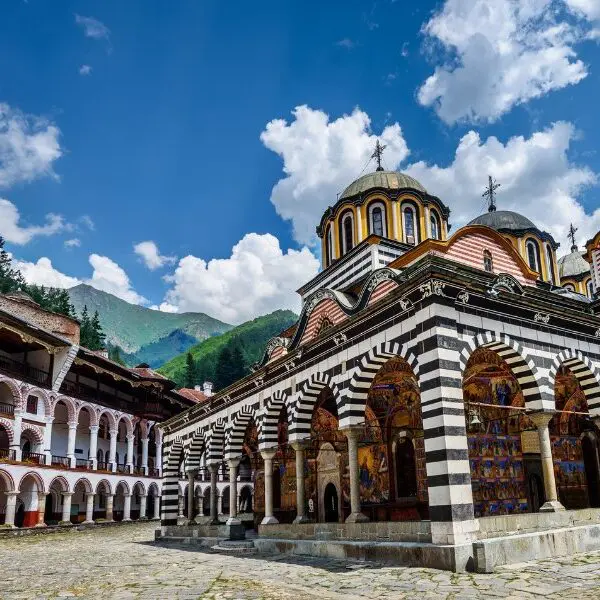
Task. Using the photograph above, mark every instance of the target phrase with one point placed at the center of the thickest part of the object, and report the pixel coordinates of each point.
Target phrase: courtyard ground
(124, 562)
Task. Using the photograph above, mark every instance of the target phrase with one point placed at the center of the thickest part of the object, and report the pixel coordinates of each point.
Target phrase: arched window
(328, 246)
(550, 261)
(569, 286)
(533, 255)
(409, 218)
(377, 219)
(434, 224)
(488, 261)
(590, 288)
(347, 232)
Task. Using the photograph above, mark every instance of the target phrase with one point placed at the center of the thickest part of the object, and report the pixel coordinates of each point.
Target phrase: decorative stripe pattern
(234, 438)
(195, 451)
(326, 309)
(215, 443)
(383, 289)
(170, 484)
(586, 374)
(269, 420)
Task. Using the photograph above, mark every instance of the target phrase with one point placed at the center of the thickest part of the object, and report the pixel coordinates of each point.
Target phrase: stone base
(552, 506)
(40, 525)
(357, 518)
(234, 530)
(88, 523)
(300, 520)
(269, 521)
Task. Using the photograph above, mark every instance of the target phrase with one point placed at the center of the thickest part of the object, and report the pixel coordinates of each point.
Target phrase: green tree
(98, 337)
(114, 353)
(230, 365)
(10, 278)
(190, 371)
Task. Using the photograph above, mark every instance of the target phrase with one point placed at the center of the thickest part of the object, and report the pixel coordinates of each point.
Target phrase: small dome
(504, 220)
(573, 265)
(390, 180)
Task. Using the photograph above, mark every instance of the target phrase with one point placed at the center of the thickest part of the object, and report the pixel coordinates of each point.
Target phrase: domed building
(574, 272)
(537, 247)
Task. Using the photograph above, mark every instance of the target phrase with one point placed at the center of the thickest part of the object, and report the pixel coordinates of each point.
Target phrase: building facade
(431, 380)
(79, 441)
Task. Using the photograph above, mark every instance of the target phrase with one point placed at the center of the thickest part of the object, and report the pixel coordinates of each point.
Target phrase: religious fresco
(498, 475)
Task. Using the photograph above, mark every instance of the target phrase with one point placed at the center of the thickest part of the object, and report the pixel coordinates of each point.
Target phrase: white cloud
(320, 158)
(590, 9)
(93, 28)
(73, 243)
(43, 273)
(499, 53)
(85, 70)
(148, 252)
(164, 307)
(110, 277)
(346, 43)
(86, 220)
(12, 231)
(537, 180)
(258, 278)
(29, 145)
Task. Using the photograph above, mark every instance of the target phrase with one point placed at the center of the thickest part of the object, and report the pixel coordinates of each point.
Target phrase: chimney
(207, 388)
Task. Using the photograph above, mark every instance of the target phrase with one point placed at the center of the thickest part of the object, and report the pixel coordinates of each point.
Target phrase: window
(434, 224)
(590, 288)
(347, 233)
(410, 225)
(488, 262)
(533, 255)
(328, 246)
(32, 405)
(569, 287)
(550, 261)
(377, 219)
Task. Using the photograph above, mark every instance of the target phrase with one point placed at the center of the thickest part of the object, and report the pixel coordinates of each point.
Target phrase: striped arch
(195, 451)
(215, 443)
(8, 427)
(128, 423)
(104, 484)
(352, 411)
(72, 411)
(170, 484)
(110, 417)
(269, 420)
(35, 431)
(305, 404)
(585, 372)
(61, 482)
(14, 388)
(234, 438)
(94, 419)
(514, 355)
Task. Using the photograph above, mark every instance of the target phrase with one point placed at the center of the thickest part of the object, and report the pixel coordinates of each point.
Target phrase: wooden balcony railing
(33, 458)
(7, 409)
(60, 461)
(24, 371)
(7, 454)
(83, 464)
(122, 468)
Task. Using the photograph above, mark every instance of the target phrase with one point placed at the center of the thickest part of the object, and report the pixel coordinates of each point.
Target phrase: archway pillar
(233, 464)
(49, 420)
(17, 427)
(110, 502)
(158, 458)
(299, 447)
(94, 445)
(156, 515)
(191, 497)
(268, 456)
(11, 506)
(541, 420)
(356, 516)
(66, 508)
(145, 441)
(143, 509)
(129, 459)
(71, 444)
(41, 509)
(112, 452)
(214, 511)
(89, 508)
(126, 507)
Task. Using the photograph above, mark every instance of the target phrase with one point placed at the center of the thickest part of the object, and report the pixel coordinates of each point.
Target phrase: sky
(180, 155)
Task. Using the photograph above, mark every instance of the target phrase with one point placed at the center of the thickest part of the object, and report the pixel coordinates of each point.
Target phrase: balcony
(83, 464)
(24, 371)
(7, 454)
(122, 469)
(153, 473)
(60, 461)
(33, 458)
(7, 409)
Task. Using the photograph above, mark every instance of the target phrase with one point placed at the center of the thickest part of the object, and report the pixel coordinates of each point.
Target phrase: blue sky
(160, 123)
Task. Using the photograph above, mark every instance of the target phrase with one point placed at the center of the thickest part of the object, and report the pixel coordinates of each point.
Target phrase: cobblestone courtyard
(123, 562)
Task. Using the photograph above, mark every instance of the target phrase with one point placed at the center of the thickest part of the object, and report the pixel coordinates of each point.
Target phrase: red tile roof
(193, 395)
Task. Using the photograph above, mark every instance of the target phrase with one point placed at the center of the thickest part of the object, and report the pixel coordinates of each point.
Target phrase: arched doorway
(406, 471)
(103, 490)
(589, 448)
(6, 485)
(28, 500)
(246, 499)
(4, 441)
(331, 504)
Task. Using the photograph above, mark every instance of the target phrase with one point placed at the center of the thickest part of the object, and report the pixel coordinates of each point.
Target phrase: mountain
(158, 353)
(131, 327)
(251, 337)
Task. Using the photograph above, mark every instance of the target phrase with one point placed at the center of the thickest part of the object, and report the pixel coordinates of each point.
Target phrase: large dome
(390, 180)
(573, 265)
(504, 220)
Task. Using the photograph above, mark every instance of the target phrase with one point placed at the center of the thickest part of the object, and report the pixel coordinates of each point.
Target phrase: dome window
(569, 286)
(488, 261)
(347, 233)
(434, 225)
(328, 246)
(550, 259)
(377, 219)
(410, 225)
(589, 288)
(533, 255)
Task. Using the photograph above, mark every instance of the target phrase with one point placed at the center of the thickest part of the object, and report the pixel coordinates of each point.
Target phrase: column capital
(127, 495)
(15, 493)
(268, 453)
(353, 432)
(72, 424)
(130, 437)
(234, 462)
(113, 432)
(88, 494)
(49, 419)
(42, 494)
(67, 494)
(541, 418)
(94, 428)
(300, 445)
(214, 467)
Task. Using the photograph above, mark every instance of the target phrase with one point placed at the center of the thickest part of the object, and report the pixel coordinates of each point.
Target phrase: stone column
(156, 515)
(214, 512)
(541, 420)
(110, 502)
(191, 496)
(16, 445)
(71, 444)
(129, 459)
(143, 501)
(233, 464)
(268, 456)
(48, 439)
(66, 510)
(41, 509)
(89, 508)
(220, 504)
(11, 505)
(180, 506)
(94, 445)
(353, 433)
(158, 459)
(127, 507)
(301, 517)
(145, 455)
(112, 452)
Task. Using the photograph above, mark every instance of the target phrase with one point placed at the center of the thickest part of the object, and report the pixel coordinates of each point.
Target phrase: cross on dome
(490, 193)
(571, 236)
(377, 154)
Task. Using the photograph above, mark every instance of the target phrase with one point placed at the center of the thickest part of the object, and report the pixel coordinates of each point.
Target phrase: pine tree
(98, 337)
(223, 371)
(237, 360)
(190, 371)
(114, 353)
(10, 278)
